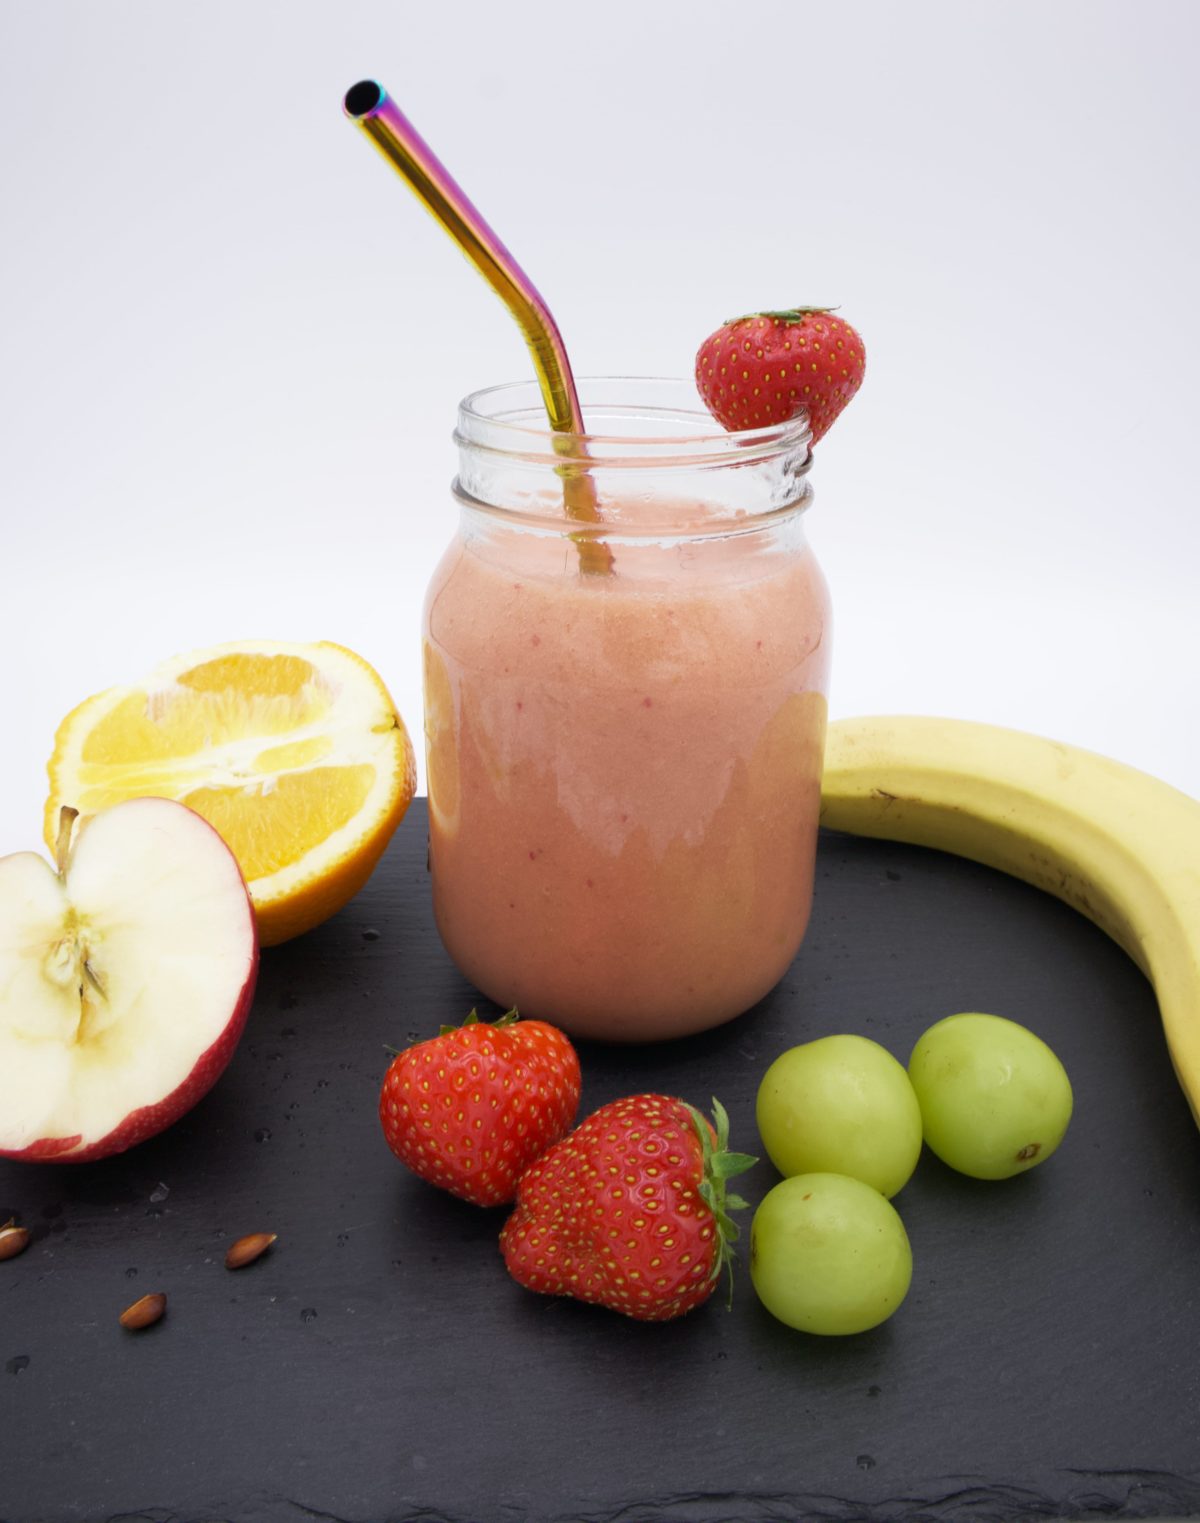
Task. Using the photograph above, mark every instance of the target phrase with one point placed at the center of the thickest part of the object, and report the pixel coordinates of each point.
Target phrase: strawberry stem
(719, 1165)
(785, 314)
(507, 1019)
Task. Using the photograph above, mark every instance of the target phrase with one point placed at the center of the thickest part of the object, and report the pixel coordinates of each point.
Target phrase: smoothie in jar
(624, 767)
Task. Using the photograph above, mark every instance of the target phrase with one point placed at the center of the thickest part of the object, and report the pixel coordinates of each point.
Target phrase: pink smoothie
(624, 772)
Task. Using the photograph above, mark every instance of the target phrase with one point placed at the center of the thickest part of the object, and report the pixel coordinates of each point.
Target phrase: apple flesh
(125, 981)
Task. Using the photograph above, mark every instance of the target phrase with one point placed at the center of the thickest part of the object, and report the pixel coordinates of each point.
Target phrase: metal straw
(369, 106)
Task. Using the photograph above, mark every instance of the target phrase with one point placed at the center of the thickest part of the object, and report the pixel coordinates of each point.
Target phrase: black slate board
(378, 1364)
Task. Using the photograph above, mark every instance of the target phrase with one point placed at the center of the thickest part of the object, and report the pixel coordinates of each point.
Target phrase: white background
(231, 343)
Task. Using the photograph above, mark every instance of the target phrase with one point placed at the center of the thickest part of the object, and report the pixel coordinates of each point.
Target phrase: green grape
(994, 1099)
(841, 1105)
(828, 1254)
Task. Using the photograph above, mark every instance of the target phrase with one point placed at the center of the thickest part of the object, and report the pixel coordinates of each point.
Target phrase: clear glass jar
(624, 750)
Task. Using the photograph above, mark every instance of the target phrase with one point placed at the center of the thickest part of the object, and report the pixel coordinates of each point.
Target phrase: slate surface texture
(378, 1365)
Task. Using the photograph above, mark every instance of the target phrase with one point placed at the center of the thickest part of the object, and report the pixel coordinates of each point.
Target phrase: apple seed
(248, 1248)
(144, 1313)
(13, 1240)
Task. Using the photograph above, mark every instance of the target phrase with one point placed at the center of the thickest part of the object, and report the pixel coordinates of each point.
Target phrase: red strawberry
(766, 368)
(629, 1211)
(471, 1109)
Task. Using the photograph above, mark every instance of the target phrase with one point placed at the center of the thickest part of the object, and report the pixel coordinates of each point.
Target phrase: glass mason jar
(625, 720)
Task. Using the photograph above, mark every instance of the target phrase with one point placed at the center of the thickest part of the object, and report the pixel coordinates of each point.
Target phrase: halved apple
(125, 980)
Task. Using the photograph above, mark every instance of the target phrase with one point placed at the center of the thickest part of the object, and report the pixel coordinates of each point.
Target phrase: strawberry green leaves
(720, 1165)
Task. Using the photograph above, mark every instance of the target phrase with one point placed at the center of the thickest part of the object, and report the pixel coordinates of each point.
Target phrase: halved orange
(294, 752)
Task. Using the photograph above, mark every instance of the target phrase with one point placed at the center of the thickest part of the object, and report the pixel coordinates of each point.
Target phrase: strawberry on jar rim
(630, 1210)
(769, 367)
(470, 1109)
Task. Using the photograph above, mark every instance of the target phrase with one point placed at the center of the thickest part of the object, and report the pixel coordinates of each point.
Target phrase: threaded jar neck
(658, 461)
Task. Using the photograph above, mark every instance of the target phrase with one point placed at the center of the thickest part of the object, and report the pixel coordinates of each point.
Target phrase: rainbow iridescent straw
(369, 106)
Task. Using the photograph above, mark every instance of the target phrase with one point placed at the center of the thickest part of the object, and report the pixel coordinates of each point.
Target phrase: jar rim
(673, 426)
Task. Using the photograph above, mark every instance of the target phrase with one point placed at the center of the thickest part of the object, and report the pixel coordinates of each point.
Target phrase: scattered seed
(248, 1248)
(144, 1313)
(13, 1240)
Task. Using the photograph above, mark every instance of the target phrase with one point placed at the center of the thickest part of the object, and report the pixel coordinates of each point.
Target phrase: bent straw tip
(363, 99)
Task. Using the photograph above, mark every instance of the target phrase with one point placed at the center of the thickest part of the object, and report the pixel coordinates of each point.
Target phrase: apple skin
(148, 1120)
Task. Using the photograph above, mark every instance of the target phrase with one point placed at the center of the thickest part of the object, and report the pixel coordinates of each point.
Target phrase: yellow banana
(1118, 845)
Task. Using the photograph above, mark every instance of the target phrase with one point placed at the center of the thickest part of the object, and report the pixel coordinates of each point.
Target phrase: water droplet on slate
(370, 934)
(865, 1462)
(342, 1239)
(288, 1031)
(309, 1314)
(131, 1274)
(874, 1390)
(18, 1363)
(160, 1192)
(263, 1134)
